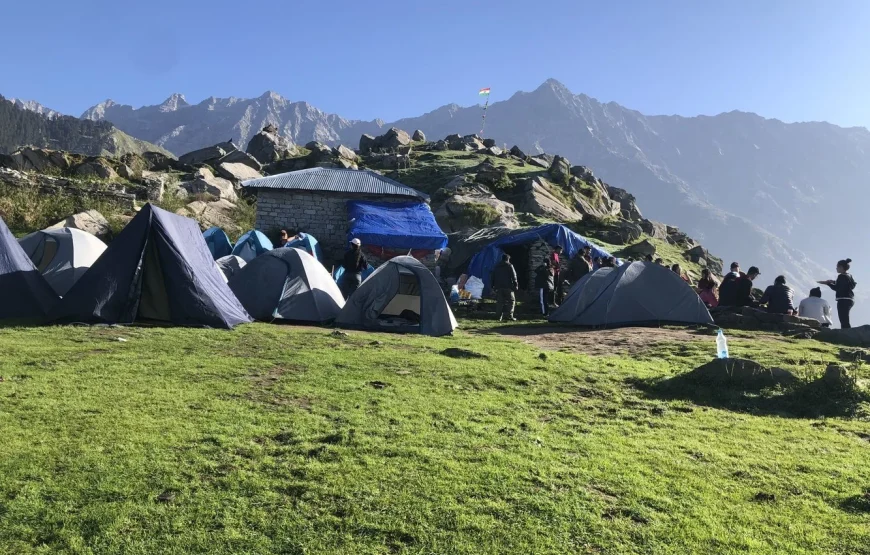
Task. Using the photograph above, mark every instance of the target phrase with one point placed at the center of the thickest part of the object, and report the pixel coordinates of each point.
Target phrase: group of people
(735, 290)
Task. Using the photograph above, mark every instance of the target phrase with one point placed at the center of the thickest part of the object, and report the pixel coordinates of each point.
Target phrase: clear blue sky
(791, 59)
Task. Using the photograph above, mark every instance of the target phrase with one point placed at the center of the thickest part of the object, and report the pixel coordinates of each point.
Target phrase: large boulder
(518, 152)
(96, 168)
(269, 146)
(207, 154)
(701, 256)
(854, 337)
(392, 139)
(418, 136)
(463, 205)
(158, 162)
(210, 214)
(560, 170)
(155, 185)
(493, 151)
(366, 143)
(655, 230)
(539, 161)
(37, 159)
(488, 143)
(90, 221)
(621, 232)
(627, 202)
(237, 172)
(345, 153)
(204, 182)
(583, 173)
(542, 198)
(239, 157)
(642, 249)
(495, 177)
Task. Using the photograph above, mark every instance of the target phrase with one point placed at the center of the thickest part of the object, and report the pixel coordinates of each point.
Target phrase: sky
(795, 60)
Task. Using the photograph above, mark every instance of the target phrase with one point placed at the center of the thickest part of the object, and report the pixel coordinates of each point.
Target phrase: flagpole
(483, 122)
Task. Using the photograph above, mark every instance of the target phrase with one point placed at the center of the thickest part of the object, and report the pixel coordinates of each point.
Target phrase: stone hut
(315, 201)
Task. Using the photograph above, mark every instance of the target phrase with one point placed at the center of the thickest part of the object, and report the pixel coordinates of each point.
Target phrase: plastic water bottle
(721, 345)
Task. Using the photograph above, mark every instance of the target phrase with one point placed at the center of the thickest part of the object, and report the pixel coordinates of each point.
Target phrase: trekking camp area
(348, 377)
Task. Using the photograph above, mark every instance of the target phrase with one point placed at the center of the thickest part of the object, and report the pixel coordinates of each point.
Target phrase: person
(679, 271)
(581, 264)
(778, 297)
(728, 287)
(707, 289)
(744, 288)
(596, 263)
(353, 263)
(556, 266)
(648, 258)
(285, 237)
(816, 307)
(660, 262)
(608, 262)
(844, 286)
(545, 286)
(505, 285)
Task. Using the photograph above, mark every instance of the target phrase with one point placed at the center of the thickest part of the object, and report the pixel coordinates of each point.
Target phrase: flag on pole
(484, 92)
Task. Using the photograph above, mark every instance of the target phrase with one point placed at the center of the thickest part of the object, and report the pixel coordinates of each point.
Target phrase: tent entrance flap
(154, 302)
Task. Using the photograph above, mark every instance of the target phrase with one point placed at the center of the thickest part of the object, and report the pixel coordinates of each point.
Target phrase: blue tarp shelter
(394, 225)
(483, 262)
(158, 269)
(309, 244)
(218, 243)
(251, 245)
(25, 296)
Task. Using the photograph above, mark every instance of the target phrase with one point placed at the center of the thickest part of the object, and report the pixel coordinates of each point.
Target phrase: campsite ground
(501, 439)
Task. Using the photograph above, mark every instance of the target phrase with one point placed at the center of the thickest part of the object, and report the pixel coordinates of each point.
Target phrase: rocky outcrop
(518, 152)
(542, 198)
(560, 170)
(204, 182)
(268, 146)
(539, 162)
(207, 154)
(366, 144)
(701, 256)
(208, 214)
(621, 232)
(462, 205)
(342, 151)
(90, 221)
(642, 250)
(239, 157)
(96, 169)
(391, 140)
(627, 202)
(854, 337)
(418, 136)
(492, 176)
(237, 172)
(655, 230)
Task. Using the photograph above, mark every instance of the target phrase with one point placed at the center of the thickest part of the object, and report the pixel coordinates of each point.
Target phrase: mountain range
(786, 197)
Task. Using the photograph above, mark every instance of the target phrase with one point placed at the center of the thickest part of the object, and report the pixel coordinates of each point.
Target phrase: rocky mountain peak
(173, 103)
(34, 106)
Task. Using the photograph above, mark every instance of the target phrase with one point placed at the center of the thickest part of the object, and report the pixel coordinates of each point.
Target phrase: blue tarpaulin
(394, 225)
(483, 262)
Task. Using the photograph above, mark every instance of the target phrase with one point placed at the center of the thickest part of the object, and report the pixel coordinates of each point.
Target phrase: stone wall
(323, 215)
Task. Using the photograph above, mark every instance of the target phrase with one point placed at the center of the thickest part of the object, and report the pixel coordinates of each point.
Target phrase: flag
(484, 92)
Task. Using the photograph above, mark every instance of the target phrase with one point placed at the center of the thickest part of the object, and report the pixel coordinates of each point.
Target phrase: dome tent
(309, 244)
(251, 245)
(287, 284)
(218, 242)
(636, 293)
(230, 265)
(159, 269)
(62, 255)
(402, 295)
(25, 296)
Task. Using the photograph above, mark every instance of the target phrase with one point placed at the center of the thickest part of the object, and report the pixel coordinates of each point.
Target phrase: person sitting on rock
(816, 307)
(707, 289)
(679, 271)
(779, 297)
(744, 288)
(728, 287)
(545, 285)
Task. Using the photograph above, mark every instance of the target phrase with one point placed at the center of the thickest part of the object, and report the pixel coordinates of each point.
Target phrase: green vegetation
(479, 214)
(278, 439)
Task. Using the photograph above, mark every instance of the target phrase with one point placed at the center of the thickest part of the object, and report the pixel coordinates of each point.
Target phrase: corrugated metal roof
(337, 180)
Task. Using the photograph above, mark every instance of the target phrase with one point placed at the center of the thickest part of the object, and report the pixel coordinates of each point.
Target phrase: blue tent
(339, 271)
(309, 244)
(24, 293)
(251, 245)
(218, 243)
(157, 269)
(394, 225)
(483, 262)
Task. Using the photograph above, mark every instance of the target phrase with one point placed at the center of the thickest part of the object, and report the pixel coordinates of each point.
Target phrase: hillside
(22, 125)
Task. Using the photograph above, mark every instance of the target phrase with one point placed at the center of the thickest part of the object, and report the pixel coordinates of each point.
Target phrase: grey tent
(157, 269)
(636, 293)
(25, 296)
(287, 284)
(402, 295)
(229, 265)
(62, 255)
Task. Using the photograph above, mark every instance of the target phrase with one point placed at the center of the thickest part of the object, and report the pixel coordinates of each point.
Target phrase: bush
(479, 214)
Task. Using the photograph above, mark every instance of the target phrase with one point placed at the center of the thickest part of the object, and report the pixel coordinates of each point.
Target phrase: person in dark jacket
(728, 287)
(744, 288)
(581, 264)
(505, 284)
(844, 287)
(544, 283)
(779, 297)
(353, 263)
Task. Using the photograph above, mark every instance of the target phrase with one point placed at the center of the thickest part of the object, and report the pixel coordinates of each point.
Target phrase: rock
(268, 146)
(516, 151)
(418, 136)
(854, 355)
(474, 142)
(209, 214)
(319, 151)
(489, 143)
(155, 185)
(854, 337)
(620, 233)
(237, 173)
(700, 255)
(347, 164)
(36, 159)
(126, 172)
(366, 143)
(90, 220)
(452, 138)
(642, 249)
(539, 161)
(492, 176)
(742, 373)
(627, 202)
(441, 145)
(392, 139)
(598, 206)
(493, 151)
(461, 205)
(343, 152)
(583, 173)
(96, 168)
(560, 170)
(790, 321)
(159, 162)
(836, 376)
(655, 230)
(239, 157)
(542, 198)
(207, 154)
(205, 182)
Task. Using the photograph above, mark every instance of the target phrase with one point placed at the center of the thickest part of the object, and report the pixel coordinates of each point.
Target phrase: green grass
(275, 439)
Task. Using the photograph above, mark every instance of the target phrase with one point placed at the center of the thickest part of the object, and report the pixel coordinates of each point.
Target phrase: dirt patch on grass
(619, 341)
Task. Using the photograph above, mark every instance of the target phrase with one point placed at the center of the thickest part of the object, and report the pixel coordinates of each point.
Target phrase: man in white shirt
(816, 307)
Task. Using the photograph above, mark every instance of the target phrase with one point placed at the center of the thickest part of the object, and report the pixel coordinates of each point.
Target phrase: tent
(339, 271)
(62, 255)
(218, 243)
(159, 269)
(636, 293)
(309, 244)
(230, 265)
(402, 295)
(483, 262)
(287, 284)
(24, 294)
(251, 245)
(395, 225)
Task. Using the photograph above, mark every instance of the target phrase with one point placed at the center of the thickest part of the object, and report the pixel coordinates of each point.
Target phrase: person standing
(556, 266)
(816, 307)
(545, 286)
(353, 263)
(505, 285)
(581, 264)
(844, 286)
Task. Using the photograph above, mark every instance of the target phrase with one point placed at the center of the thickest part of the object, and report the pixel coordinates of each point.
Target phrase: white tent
(62, 255)
(230, 265)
